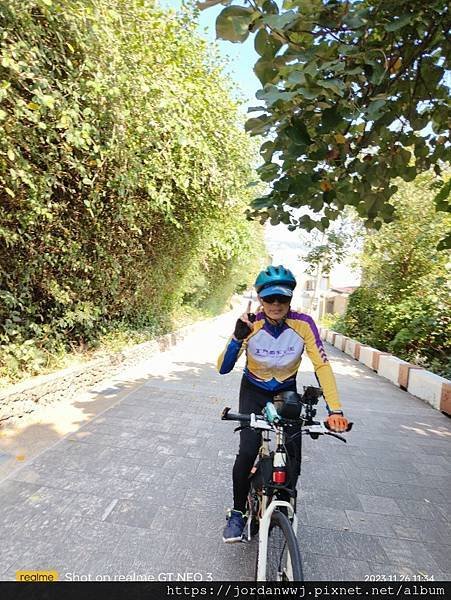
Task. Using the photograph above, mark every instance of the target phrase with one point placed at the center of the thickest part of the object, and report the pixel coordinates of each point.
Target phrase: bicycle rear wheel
(283, 559)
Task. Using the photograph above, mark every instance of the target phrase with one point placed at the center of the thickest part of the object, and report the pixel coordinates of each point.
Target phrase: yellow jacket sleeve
(323, 370)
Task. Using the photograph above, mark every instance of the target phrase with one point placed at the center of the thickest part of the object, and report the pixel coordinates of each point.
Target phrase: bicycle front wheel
(283, 559)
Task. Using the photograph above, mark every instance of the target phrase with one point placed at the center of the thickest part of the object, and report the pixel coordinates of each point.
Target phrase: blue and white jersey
(274, 353)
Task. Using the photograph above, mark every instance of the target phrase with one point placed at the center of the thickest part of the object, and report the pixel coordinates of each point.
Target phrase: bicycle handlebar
(226, 415)
(315, 428)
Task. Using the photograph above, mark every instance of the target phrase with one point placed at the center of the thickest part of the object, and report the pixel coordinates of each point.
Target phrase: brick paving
(142, 488)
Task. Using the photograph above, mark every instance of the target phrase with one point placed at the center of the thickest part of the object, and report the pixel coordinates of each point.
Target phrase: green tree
(353, 96)
(401, 254)
(330, 251)
(123, 172)
(403, 305)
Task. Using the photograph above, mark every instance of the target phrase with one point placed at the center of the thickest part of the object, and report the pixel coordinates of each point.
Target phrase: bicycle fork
(263, 534)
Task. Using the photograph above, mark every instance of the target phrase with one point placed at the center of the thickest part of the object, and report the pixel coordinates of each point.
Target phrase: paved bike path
(141, 489)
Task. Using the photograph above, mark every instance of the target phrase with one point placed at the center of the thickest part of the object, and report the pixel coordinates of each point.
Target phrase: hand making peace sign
(245, 324)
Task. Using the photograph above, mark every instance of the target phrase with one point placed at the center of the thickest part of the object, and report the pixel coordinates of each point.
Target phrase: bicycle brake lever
(335, 435)
(240, 427)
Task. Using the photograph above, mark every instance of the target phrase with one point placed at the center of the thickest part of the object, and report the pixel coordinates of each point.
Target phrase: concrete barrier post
(350, 347)
(366, 354)
(353, 348)
(390, 367)
(445, 399)
(344, 342)
(330, 337)
(404, 372)
(435, 390)
(376, 358)
(357, 349)
(338, 341)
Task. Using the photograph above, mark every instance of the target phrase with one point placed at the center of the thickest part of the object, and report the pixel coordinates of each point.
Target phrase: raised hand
(244, 324)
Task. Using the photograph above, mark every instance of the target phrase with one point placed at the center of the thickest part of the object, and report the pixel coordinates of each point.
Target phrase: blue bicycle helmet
(275, 280)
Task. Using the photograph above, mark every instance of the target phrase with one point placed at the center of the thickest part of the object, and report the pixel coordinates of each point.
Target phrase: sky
(285, 247)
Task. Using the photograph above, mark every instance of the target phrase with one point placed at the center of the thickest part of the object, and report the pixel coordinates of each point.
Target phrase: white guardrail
(419, 382)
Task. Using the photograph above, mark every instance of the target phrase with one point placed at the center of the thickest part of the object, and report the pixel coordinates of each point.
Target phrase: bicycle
(271, 503)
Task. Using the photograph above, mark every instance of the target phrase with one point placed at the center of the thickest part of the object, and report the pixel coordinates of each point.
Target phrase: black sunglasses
(277, 298)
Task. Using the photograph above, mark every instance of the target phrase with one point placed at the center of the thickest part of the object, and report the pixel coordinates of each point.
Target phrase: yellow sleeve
(323, 370)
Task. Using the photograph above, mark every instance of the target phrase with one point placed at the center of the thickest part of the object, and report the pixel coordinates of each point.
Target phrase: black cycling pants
(252, 400)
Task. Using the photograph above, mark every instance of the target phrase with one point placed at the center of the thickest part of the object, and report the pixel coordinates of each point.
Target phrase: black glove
(242, 329)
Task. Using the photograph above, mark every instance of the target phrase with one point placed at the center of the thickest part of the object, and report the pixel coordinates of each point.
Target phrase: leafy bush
(123, 171)
(416, 329)
(331, 321)
(423, 330)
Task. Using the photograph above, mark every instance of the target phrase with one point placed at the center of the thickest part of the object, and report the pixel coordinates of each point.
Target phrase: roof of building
(344, 290)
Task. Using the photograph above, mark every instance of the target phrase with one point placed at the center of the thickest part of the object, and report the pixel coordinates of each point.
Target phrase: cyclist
(274, 340)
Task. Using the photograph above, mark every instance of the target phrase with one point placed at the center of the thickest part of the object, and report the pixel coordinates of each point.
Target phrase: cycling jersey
(274, 353)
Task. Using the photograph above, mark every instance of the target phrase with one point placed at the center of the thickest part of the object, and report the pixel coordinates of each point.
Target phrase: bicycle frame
(267, 510)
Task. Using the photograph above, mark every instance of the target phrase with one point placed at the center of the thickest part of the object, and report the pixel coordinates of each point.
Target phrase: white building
(285, 248)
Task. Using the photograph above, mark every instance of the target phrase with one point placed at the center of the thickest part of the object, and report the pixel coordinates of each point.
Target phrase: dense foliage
(353, 96)
(123, 174)
(404, 303)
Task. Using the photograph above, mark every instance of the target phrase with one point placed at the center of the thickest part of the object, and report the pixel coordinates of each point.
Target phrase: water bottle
(271, 413)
